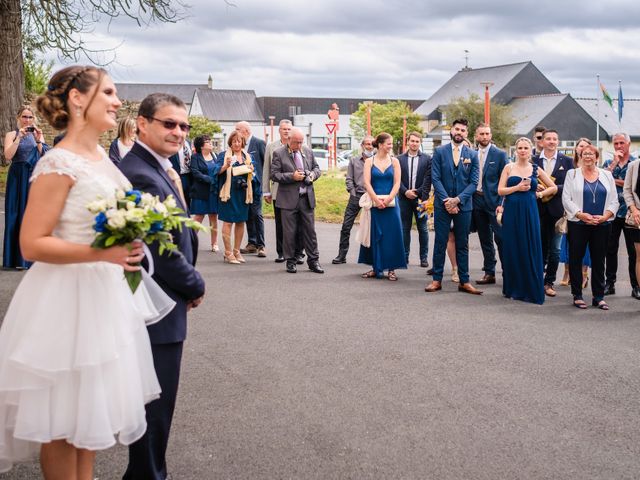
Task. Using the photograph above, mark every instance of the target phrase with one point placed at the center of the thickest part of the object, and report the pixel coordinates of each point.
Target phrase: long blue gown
(387, 246)
(522, 267)
(15, 201)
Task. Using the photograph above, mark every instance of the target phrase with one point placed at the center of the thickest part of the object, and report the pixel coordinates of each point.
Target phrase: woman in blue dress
(382, 182)
(204, 186)
(23, 147)
(236, 183)
(522, 266)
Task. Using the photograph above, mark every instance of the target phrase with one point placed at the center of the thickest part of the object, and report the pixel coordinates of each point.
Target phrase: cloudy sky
(374, 48)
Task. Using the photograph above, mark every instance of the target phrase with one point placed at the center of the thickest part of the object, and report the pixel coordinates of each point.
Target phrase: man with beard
(454, 173)
(355, 187)
(485, 200)
(556, 165)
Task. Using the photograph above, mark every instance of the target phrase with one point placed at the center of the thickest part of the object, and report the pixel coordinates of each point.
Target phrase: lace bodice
(92, 180)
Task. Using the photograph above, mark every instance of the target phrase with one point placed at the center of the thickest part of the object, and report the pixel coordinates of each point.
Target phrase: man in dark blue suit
(485, 200)
(415, 185)
(255, 223)
(454, 173)
(551, 210)
(162, 127)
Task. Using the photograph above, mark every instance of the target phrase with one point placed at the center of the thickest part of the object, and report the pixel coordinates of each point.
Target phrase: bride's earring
(78, 111)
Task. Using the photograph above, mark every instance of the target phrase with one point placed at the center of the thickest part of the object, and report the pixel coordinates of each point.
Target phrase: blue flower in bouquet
(136, 194)
(101, 222)
(156, 227)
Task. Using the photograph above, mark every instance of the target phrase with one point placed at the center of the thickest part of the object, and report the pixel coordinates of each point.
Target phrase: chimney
(210, 82)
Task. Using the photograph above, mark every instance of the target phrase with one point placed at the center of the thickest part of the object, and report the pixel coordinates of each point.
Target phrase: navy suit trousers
(488, 230)
(461, 224)
(255, 222)
(407, 213)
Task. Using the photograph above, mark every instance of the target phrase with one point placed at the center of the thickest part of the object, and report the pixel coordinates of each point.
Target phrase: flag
(620, 102)
(606, 96)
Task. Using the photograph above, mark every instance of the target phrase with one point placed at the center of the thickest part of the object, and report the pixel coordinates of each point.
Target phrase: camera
(30, 129)
(242, 183)
(308, 179)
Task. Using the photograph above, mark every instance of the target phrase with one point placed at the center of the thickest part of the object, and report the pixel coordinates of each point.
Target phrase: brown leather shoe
(487, 280)
(549, 291)
(249, 248)
(468, 288)
(433, 286)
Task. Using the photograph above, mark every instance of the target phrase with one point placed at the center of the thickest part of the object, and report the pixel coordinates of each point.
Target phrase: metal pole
(404, 133)
(598, 111)
(271, 119)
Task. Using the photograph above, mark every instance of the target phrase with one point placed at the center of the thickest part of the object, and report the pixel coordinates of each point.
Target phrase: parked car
(322, 157)
(344, 157)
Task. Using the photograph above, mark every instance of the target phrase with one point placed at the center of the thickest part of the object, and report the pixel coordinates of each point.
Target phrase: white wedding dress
(75, 358)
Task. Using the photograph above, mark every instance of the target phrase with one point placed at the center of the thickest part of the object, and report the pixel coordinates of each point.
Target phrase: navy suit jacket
(451, 182)
(494, 163)
(423, 175)
(554, 206)
(202, 183)
(255, 149)
(174, 271)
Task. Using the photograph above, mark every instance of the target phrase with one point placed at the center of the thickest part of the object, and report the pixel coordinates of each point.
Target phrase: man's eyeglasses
(170, 124)
(27, 117)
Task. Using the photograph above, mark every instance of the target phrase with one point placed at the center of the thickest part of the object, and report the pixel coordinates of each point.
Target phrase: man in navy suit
(162, 128)
(415, 185)
(485, 200)
(454, 173)
(556, 165)
(255, 223)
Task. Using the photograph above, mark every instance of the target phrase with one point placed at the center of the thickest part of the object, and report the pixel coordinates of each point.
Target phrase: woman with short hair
(204, 186)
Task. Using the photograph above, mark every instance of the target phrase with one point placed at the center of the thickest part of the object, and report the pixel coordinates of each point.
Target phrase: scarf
(225, 191)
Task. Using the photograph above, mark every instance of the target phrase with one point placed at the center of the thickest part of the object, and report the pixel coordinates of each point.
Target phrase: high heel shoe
(239, 258)
(215, 248)
(585, 281)
(229, 257)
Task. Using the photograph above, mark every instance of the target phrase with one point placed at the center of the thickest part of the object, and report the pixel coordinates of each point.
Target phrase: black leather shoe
(430, 272)
(291, 267)
(424, 264)
(338, 260)
(609, 289)
(279, 260)
(300, 260)
(635, 293)
(315, 267)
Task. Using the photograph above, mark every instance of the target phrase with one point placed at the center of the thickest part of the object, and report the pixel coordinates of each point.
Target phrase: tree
(385, 117)
(36, 75)
(60, 25)
(472, 108)
(203, 126)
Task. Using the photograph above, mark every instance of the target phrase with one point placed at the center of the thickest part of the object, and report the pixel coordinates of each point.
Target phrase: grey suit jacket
(268, 186)
(282, 169)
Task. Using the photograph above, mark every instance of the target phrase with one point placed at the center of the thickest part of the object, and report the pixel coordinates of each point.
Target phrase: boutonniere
(466, 161)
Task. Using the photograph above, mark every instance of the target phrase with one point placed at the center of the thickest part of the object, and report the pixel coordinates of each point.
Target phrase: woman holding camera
(522, 266)
(23, 147)
(236, 180)
(204, 186)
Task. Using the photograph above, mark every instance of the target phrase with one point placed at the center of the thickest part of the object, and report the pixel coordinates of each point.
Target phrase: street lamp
(487, 102)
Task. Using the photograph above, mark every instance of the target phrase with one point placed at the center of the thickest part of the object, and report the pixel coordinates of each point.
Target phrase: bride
(75, 362)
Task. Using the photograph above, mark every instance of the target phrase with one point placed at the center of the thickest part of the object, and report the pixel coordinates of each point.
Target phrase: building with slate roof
(136, 92)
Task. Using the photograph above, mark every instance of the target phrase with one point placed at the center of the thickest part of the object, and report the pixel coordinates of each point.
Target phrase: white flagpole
(598, 111)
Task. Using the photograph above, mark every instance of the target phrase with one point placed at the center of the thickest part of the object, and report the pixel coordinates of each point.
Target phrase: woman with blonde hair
(522, 265)
(124, 141)
(22, 148)
(75, 360)
(236, 186)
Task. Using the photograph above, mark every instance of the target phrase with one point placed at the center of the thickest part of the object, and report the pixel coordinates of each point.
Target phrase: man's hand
(268, 199)
(411, 194)
(298, 176)
(194, 303)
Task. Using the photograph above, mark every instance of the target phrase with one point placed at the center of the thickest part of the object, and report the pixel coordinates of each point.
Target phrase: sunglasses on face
(27, 117)
(170, 124)
(539, 138)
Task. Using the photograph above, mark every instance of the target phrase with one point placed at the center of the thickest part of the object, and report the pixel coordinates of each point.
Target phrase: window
(294, 110)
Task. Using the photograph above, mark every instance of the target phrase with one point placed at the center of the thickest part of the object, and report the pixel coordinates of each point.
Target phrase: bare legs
(213, 222)
(451, 253)
(62, 461)
(238, 233)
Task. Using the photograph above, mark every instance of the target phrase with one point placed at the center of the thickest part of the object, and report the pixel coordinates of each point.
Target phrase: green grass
(3, 178)
(331, 198)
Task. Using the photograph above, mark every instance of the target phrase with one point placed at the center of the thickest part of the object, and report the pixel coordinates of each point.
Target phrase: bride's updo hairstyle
(52, 104)
(380, 139)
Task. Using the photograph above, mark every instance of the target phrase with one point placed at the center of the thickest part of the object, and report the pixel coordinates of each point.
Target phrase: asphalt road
(332, 376)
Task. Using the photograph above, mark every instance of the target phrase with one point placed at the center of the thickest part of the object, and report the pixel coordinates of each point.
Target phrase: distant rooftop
(136, 92)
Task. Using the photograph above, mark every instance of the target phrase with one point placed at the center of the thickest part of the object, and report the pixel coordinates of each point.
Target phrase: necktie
(456, 155)
(411, 174)
(297, 158)
(481, 159)
(175, 178)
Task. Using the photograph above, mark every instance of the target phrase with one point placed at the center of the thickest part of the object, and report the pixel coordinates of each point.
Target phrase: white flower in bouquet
(116, 218)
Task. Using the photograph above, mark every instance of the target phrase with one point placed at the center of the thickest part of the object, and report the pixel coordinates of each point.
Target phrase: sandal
(579, 303)
(369, 274)
(601, 304)
(585, 281)
(392, 276)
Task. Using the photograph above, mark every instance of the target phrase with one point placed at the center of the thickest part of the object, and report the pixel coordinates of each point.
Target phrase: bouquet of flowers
(133, 215)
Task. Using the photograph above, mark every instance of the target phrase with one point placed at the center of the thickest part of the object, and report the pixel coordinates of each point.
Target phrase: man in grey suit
(295, 169)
